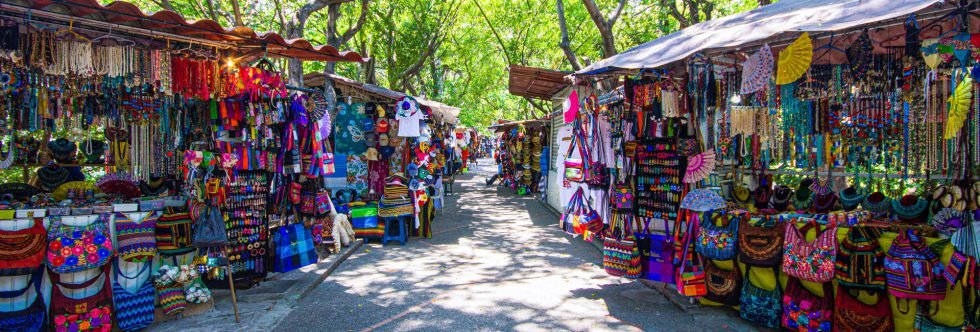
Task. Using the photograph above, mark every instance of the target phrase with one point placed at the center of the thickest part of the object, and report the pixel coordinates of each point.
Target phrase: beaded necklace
(52, 176)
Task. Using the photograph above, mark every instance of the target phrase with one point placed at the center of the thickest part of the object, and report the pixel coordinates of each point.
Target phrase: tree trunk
(605, 25)
(566, 42)
(237, 10)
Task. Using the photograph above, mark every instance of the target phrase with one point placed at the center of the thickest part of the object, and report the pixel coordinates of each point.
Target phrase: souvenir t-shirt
(408, 122)
(348, 129)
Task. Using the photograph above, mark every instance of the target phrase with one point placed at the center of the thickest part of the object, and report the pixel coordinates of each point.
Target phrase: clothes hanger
(116, 38)
(71, 31)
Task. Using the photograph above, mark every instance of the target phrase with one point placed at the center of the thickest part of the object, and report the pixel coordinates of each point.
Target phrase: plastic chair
(391, 224)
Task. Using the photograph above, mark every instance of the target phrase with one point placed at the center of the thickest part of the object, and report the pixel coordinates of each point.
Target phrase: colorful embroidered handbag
(171, 298)
(852, 315)
(760, 306)
(295, 192)
(623, 197)
(718, 242)
(134, 310)
(294, 248)
(724, 286)
(621, 256)
(760, 241)
(22, 251)
(33, 317)
(912, 270)
(308, 204)
(597, 174)
(575, 170)
(136, 241)
(73, 249)
(860, 261)
(810, 261)
(173, 234)
(93, 313)
(582, 217)
(322, 202)
(689, 274)
(804, 311)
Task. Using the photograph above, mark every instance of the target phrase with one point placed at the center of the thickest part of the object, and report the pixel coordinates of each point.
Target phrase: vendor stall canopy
(765, 23)
(537, 83)
(372, 93)
(125, 17)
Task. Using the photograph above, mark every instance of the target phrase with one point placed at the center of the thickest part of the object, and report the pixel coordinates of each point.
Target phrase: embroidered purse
(22, 251)
(171, 298)
(295, 192)
(134, 310)
(73, 249)
(689, 274)
(33, 317)
(718, 242)
(173, 234)
(760, 243)
(575, 170)
(623, 197)
(724, 287)
(94, 312)
(912, 270)
(621, 256)
(597, 174)
(804, 311)
(851, 315)
(859, 259)
(760, 306)
(810, 261)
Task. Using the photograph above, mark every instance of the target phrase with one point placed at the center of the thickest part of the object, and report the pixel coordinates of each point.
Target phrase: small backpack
(913, 270)
(859, 259)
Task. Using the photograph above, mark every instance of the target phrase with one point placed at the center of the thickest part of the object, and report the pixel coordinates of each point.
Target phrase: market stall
(520, 154)
(380, 134)
(148, 159)
(551, 87)
(811, 163)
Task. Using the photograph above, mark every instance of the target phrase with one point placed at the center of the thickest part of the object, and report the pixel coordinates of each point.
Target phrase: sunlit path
(495, 262)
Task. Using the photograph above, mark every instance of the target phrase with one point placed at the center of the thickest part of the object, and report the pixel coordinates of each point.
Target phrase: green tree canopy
(458, 51)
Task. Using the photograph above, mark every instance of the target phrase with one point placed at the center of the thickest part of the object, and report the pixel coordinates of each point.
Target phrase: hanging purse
(689, 274)
(724, 287)
(621, 256)
(74, 249)
(32, 317)
(806, 312)
(209, 230)
(575, 170)
(597, 175)
(760, 306)
(623, 197)
(717, 242)
(810, 261)
(760, 243)
(295, 192)
(852, 315)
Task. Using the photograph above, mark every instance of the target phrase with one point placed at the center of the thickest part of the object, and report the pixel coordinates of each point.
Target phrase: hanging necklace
(52, 176)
